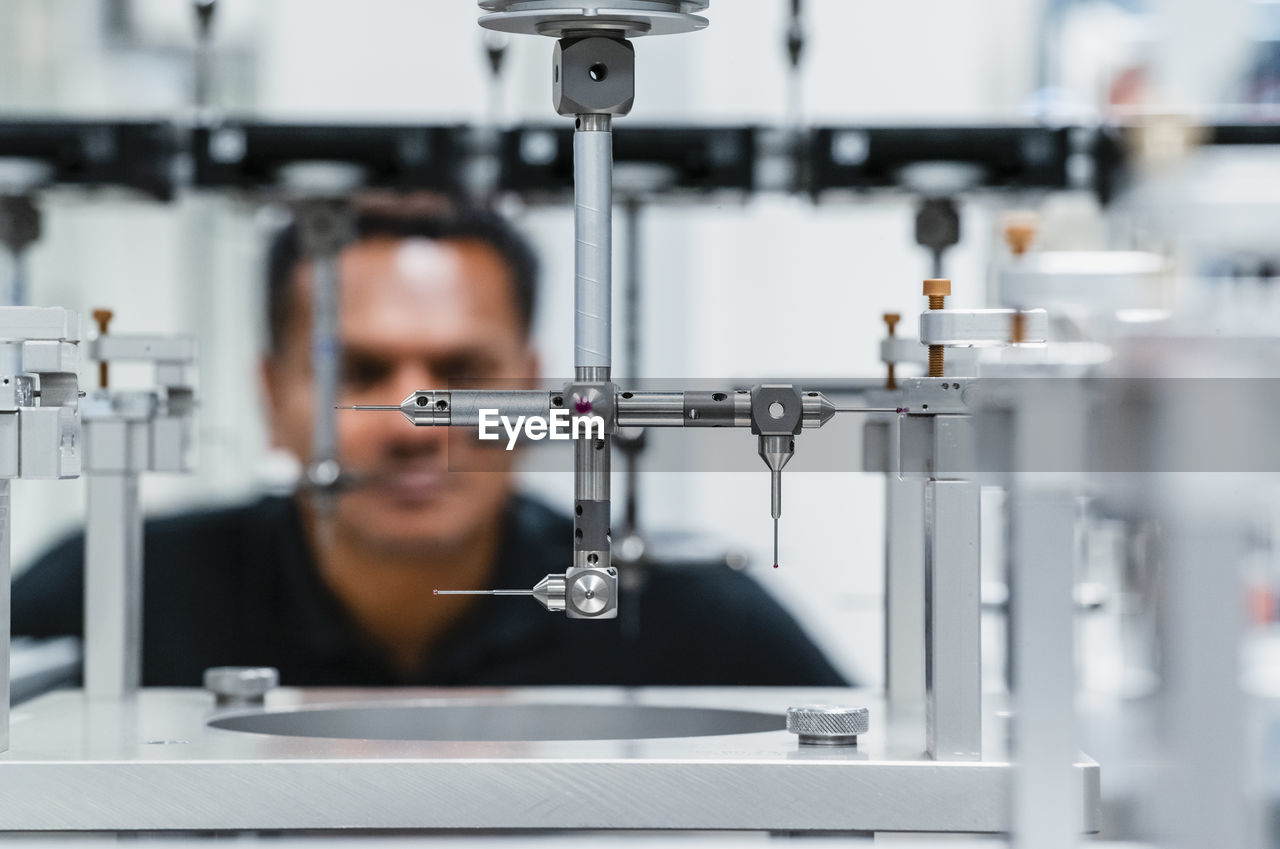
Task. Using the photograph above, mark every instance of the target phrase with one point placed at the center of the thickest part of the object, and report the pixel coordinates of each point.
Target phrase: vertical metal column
(323, 230)
(18, 285)
(326, 351)
(593, 328)
(1205, 797)
(1211, 787)
(953, 604)
(593, 246)
(113, 584)
(1044, 448)
(1047, 807)
(904, 626)
(6, 571)
(631, 348)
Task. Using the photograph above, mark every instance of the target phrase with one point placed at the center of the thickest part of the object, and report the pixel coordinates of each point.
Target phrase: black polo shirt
(239, 586)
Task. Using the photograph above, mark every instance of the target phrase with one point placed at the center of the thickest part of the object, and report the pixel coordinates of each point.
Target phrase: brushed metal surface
(154, 764)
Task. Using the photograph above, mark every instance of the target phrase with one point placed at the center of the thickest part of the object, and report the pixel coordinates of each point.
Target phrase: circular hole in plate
(499, 722)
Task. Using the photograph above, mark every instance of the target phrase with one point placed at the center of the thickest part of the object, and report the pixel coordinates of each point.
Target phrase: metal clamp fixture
(39, 425)
(127, 432)
(898, 350)
(982, 328)
(776, 413)
(593, 80)
(776, 417)
(942, 328)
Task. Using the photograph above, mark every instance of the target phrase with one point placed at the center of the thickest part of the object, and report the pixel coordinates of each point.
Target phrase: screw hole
(442, 404)
(598, 72)
(813, 394)
(577, 533)
(693, 414)
(422, 399)
(593, 559)
(628, 395)
(557, 401)
(793, 445)
(599, 444)
(924, 406)
(578, 509)
(719, 396)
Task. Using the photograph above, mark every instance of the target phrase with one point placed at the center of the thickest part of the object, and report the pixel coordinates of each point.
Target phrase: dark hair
(475, 225)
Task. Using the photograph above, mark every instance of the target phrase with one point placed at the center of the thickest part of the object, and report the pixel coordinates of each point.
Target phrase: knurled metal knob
(828, 725)
(937, 287)
(240, 685)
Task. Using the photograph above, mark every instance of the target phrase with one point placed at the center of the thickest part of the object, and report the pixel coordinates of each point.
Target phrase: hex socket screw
(937, 290)
(891, 320)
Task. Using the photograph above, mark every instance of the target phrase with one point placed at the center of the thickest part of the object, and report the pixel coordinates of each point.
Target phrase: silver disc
(558, 17)
(590, 594)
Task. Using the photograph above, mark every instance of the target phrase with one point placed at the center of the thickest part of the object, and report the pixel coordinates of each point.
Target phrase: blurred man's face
(416, 314)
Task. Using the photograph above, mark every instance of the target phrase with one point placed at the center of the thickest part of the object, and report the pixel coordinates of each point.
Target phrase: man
(344, 596)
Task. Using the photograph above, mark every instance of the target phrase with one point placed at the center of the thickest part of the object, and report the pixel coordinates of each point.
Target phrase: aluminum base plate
(558, 17)
(155, 764)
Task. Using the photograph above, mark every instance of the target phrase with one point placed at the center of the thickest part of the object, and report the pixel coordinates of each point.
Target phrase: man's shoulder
(186, 554)
(219, 525)
(534, 519)
(741, 632)
(199, 532)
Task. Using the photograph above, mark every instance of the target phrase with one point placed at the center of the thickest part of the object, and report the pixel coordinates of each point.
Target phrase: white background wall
(775, 286)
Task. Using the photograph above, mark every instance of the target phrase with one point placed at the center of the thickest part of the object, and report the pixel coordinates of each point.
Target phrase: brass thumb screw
(891, 320)
(103, 319)
(937, 290)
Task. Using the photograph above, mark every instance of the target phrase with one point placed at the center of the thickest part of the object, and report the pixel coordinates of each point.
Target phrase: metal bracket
(776, 410)
(979, 328)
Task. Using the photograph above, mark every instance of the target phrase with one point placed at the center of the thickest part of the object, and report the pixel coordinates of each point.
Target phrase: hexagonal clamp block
(776, 409)
(594, 75)
(591, 593)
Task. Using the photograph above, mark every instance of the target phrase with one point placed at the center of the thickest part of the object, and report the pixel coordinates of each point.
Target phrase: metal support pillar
(1204, 798)
(940, 449)
(324, 227)
(593, 246)
(953, 608)
(904, 626)
(6, 572)
(113, 583)
(1047, 808)
(593, 330)
(326, 353)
